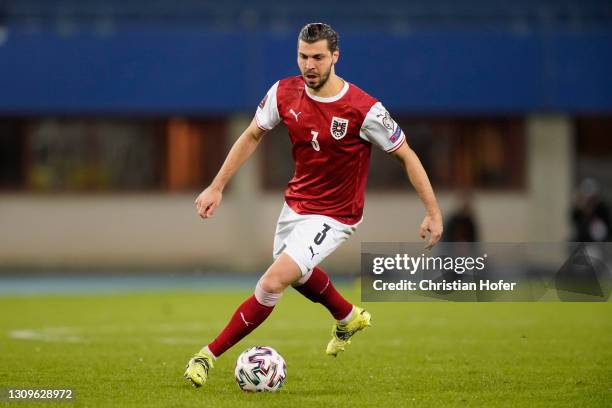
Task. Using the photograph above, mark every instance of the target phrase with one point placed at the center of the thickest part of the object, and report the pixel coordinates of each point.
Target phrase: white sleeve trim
(381, 130)
(267, 116)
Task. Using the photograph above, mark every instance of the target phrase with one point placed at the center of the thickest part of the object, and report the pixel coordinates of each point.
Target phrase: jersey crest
(339, 127)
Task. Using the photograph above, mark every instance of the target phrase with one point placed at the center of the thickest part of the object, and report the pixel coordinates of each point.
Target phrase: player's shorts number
(321, 235)
(314, 141)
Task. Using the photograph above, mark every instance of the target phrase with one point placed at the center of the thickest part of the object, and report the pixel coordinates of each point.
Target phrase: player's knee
(266, 297)
(272, 284)
(282, 273)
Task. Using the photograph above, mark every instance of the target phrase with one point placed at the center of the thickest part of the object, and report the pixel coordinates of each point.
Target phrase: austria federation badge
(338, 127)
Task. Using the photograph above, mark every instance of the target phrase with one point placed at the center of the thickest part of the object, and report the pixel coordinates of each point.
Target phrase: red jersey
(332, 139)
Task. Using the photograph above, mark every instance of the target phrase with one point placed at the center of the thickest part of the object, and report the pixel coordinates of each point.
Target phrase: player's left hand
(207, 201)
(431, 224)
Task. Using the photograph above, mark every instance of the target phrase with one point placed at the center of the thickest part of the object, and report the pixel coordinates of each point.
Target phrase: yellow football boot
(197, 368)
(341, 333)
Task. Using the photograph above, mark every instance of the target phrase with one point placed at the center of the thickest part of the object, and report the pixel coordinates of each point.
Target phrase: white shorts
(308, 239)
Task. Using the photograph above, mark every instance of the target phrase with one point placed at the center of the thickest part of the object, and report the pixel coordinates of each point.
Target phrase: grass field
(130, 350)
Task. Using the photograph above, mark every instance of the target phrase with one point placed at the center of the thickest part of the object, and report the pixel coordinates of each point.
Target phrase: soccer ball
(259, 369)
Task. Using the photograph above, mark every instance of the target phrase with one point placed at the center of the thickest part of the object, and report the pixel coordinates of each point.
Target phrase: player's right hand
(207, 201)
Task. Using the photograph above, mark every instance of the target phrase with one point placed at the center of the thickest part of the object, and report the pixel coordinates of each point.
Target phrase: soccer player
(332, 125)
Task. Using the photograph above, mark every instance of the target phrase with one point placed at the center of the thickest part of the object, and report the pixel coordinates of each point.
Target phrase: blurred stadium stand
(158, 57)
(285, 15)
(106, 107)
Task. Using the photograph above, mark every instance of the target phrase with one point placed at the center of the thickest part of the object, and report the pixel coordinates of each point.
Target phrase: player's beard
(322, 81)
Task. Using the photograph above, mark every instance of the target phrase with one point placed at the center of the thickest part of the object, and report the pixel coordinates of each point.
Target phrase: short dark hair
(314, 32)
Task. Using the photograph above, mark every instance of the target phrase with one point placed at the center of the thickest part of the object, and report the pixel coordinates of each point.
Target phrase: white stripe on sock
(266, 298)
(206, 349)
(348, 317)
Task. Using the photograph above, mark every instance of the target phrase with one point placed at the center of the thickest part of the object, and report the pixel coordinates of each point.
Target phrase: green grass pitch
(130, 350)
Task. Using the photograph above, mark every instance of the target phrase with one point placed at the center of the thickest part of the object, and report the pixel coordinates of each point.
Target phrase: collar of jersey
(334, 98)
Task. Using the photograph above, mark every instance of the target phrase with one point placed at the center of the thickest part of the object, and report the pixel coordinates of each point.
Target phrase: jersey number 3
(314, 141)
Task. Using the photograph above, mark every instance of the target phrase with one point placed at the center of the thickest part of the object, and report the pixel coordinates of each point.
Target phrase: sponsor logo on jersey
(263, 102)
(396, 134)
(291, 111)
(339, 127)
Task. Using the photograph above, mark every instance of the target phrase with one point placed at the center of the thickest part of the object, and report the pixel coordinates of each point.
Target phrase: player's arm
(243, 148)
(378, 128)
(432, 222)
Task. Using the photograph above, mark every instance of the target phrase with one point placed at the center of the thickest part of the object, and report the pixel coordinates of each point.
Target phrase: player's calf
(318, 287)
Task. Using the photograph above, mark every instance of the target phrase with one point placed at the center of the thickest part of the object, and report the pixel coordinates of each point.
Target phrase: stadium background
(113, 114)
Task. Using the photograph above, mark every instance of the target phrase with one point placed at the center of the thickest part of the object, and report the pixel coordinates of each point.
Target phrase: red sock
(246, 318)
(319, 289)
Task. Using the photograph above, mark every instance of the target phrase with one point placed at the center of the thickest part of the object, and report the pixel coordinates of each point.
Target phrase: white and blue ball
(260, 369)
